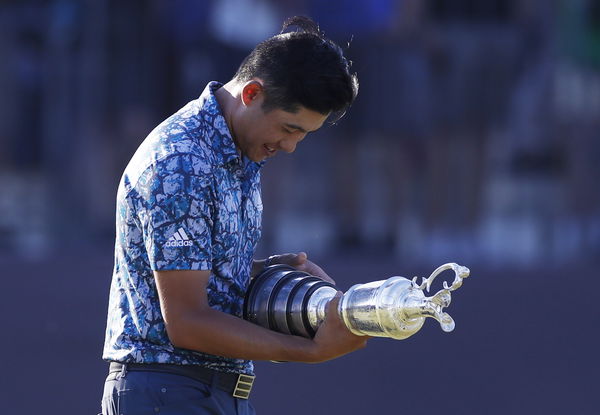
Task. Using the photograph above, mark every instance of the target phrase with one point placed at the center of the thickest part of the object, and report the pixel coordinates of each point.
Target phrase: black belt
(239, 385)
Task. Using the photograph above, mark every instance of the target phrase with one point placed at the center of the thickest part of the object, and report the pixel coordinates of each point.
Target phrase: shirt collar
(222, 142)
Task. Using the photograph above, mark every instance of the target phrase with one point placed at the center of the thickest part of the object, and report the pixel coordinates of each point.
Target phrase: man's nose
(288, 145)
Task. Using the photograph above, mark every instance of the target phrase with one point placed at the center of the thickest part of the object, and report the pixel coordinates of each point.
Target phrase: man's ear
(251, 91)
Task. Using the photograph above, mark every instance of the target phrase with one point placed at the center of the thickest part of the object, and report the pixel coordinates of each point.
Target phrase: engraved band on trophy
(289, 301)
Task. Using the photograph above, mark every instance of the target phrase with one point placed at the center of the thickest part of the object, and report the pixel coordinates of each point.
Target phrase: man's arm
(192, 324)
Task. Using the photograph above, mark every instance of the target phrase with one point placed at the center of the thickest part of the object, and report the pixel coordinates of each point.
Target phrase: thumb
(333, 303)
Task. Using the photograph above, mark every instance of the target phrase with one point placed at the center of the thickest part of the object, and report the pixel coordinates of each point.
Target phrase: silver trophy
(289, 301)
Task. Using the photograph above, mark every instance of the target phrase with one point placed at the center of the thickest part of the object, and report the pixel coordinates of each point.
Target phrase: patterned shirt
(186, 201)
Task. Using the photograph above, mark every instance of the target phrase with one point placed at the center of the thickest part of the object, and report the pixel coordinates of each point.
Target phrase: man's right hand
(333, 339)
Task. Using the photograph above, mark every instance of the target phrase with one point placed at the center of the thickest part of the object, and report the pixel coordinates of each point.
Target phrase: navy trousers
(137, 392)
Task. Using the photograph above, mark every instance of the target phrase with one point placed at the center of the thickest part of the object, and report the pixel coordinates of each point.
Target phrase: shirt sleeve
(177, 215)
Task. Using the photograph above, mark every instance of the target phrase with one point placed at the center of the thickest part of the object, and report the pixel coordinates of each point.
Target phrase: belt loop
(123, 370)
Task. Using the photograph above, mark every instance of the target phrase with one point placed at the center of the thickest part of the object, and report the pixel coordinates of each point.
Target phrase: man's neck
(227, 97)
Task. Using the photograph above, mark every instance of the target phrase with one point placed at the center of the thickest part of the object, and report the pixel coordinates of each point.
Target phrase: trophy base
(278, 299)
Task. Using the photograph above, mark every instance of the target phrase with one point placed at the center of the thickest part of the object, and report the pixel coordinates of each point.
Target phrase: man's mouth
(270, 150)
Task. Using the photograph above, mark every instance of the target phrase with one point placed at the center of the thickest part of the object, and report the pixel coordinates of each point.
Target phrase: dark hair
(301, 68)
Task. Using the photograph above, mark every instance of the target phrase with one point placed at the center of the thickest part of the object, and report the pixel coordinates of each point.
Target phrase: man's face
(260, 134)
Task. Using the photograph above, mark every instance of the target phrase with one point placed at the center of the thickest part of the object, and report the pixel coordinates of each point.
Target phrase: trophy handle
(433, 306)
(460, 273)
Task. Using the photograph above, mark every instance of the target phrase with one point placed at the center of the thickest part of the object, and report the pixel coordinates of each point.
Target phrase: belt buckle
(243, 386)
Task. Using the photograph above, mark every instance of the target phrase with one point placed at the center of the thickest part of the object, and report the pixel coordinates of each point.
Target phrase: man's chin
(257, 159)
(260, 156)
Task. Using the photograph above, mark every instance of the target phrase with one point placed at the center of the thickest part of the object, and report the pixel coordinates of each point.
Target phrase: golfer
(188, 219)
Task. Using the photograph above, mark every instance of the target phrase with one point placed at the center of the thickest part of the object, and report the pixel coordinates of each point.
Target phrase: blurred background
(474, 139)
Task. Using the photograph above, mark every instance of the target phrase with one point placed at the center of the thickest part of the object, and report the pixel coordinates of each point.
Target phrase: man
(188, 220)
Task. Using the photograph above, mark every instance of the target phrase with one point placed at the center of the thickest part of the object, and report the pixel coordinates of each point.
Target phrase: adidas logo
(178, 239)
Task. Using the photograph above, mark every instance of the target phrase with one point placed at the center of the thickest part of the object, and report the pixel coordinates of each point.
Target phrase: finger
(289, 259)
(328, 279)
(318, 272)
(301, 257)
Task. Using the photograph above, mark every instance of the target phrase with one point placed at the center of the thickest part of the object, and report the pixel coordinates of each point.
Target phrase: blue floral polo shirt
(186, 201)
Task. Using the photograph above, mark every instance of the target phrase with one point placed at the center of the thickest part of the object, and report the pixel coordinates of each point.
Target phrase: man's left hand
(301, 262)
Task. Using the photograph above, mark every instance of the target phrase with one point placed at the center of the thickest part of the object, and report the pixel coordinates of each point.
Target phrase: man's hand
(333, 339)
(301, 262)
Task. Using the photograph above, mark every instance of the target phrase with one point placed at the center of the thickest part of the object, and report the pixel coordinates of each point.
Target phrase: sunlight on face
(265, 133)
